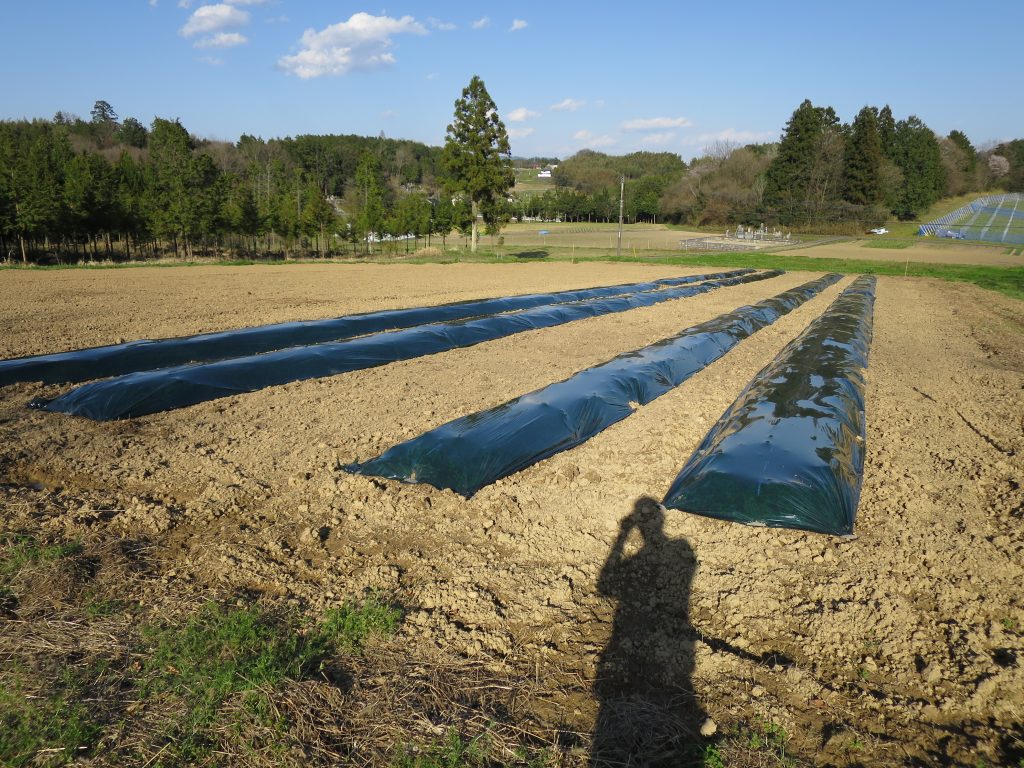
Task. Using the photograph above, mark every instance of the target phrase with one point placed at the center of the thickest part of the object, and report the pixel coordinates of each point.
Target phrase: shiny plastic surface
(137, 394)
(147, 355)
(473, 451)
(789, 453)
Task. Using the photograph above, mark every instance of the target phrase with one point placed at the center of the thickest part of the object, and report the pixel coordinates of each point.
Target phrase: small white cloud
(651, 123)
(432, 76)
(277, 20)
(222, 40)
(362, 42)
(181, 3)
(588, 139)
(481, 23)
(213, 18)
(211, 60)
(567, 105)
(247, 2)
(732, 135)
(389, 114)
(520, 133)
(518, 24)
(443, 26)
(658, 139)
(154, 3)
(520, 114)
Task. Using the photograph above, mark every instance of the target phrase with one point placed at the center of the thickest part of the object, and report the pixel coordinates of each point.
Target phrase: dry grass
(87, 678)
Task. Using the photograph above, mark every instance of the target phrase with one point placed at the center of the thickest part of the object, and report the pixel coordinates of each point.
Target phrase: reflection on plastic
(468, 453)
(137, 394)
(789, 453)
(147, 355)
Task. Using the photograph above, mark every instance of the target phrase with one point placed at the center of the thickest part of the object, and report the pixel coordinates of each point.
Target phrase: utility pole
(622, 192)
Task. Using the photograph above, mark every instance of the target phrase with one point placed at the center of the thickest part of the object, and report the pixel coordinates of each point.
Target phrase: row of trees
(826, 175)
(74, 189)
(822, 175)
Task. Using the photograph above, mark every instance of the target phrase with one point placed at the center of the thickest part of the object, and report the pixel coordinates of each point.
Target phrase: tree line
(73, 190)
(822, 175)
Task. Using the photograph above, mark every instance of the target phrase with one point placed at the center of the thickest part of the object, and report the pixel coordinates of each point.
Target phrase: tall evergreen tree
(920, 160)
(800, 180)
(477, 154)
(862, 161)
(887, 132)
(369, 199)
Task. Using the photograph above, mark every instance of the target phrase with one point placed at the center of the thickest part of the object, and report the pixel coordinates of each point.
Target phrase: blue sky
(617, 77)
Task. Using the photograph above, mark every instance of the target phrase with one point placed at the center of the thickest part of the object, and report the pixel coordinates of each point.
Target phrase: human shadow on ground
(649, 714)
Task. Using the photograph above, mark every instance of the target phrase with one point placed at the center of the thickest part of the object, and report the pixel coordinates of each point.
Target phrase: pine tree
(369, 194)
(887, 132)
(477, 154)
(862, 161)
(801, 181)
(920, 160)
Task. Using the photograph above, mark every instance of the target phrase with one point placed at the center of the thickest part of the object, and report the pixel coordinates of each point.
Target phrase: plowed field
(901, 646)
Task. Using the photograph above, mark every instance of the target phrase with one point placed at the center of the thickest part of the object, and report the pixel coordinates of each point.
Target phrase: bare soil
(926, 252)
(901, 646)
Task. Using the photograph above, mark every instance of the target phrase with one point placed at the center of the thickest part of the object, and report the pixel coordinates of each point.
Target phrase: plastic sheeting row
(147, 354)
(473, 451)
(146, 392)
(789, 453)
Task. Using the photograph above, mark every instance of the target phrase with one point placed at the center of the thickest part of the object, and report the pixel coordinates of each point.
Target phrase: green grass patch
(18, 552)
(222, 652)
(481, 752)
(350, 626)
(888, 244)
(44, 729)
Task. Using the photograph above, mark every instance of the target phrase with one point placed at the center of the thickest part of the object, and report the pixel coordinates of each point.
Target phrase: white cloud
(731, 134)
(213, 18)
(443, 26)
(221, 40)
(518, 24)
(481, 23)
(212, 60)
(277, 20)
(432, 76)
(362, 42)
(650, 123)
(658, 139)
(567, 105)
(247, 2)
(153, 3)
(389, 114)
(520, 114)
(520, 133)
(588, 139)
